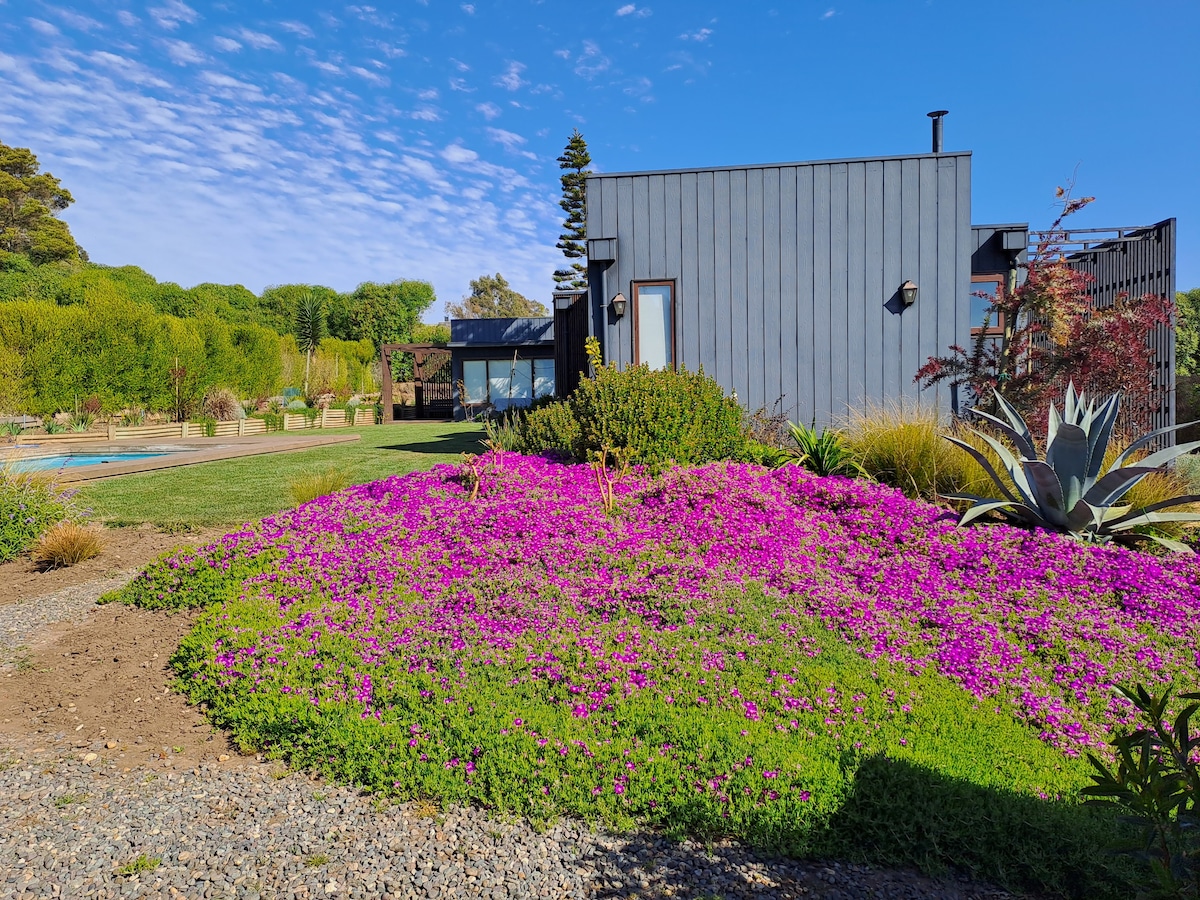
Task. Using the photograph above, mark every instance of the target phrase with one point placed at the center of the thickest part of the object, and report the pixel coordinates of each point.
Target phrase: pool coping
(189, 452)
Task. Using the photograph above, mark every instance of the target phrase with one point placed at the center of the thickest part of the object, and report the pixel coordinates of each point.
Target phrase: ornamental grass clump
(817, 665)
(901, 445)
(66, 544)
(311, 485)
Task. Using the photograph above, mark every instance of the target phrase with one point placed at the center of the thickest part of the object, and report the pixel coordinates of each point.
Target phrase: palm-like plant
(310, 328)
(1067, 491)
(823, 452)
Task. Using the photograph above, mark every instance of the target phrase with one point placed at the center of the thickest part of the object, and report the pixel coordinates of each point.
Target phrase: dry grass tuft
(311, 485)
(901, 445)
(66, 544)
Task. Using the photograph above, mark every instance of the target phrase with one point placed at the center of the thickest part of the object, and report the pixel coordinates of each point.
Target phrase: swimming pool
(72, 460)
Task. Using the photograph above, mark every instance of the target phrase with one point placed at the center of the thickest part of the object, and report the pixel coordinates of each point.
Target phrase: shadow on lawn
(901, 816)
(445, 444)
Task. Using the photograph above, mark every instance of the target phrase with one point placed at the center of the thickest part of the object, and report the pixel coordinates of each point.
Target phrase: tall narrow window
(654, 323)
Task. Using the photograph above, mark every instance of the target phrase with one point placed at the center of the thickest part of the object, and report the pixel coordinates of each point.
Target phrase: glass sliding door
(654, 323)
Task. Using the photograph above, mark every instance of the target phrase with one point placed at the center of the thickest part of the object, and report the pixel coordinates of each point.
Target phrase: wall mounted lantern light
(618, 305)
(908, 293)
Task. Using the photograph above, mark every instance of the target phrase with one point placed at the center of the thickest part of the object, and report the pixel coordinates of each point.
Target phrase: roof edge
(778, 165)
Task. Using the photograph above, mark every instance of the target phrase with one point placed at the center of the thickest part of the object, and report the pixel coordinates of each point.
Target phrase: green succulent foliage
(823, 452)
(1066, 491)
(1156, 782)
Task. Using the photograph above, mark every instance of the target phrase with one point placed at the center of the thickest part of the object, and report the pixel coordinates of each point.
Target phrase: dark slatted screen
(570, 331)
(1139, 262)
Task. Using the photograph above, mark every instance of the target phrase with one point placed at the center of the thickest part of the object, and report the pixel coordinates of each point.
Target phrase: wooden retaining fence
(328, 418)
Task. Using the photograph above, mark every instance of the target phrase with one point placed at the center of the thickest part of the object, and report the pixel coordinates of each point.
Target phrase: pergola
(434, 399)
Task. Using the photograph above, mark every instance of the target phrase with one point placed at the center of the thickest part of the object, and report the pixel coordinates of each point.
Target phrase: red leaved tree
(1054, 334)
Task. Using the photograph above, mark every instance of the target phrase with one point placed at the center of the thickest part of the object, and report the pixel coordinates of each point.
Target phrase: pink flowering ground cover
(719, 654)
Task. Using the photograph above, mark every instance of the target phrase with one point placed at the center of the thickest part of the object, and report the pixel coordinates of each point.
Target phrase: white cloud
(563, 54)
(701, 34)
(172, 13)
(460, 84)
(829, 14)
(258, 40)
(367, 75)
(182, 53)
(428, 94)
(228, 45)
(459, 65)
(391, 51)
(458, 154)
(509, 139)
(126, 18)
(43, 27)
(297, 28)
(511, 80)
(488, 110)
(626, 9)
(630, 9)
(247, 154)
(329, 67)
(591, 61)
(426, 114)
(469, 9)
(76, 20)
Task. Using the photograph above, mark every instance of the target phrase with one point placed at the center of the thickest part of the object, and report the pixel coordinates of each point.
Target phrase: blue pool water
(71, 460)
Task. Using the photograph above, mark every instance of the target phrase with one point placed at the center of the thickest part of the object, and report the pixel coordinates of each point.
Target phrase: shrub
(1157, 781)
(657, 415)
(29, 504)
(223, 405)
(311, 485)
(66, 544)
(901, 445)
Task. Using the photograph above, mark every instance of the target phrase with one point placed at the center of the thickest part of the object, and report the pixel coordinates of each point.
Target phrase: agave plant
(1067, 491)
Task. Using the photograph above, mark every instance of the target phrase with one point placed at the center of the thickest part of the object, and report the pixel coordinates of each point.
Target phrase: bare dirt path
(83, 679)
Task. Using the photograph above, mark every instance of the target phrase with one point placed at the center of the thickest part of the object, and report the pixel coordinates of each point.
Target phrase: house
(500, 363)
(816, 286)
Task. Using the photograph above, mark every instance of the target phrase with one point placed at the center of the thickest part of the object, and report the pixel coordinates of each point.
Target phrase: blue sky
(270, 142)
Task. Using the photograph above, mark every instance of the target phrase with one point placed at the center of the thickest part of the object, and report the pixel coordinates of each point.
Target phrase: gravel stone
(72, 830)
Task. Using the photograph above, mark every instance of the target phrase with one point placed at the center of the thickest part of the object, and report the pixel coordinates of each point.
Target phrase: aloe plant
(1067, 491)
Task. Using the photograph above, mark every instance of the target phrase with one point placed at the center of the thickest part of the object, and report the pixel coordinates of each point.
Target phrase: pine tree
(573, 241)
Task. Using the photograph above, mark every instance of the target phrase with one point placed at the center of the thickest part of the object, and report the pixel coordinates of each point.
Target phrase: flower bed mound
(814, 664)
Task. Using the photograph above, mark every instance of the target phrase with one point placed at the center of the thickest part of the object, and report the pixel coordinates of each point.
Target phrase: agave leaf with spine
(1067, 491)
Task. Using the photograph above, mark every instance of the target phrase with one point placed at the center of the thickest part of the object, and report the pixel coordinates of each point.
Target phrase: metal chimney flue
(936, 115)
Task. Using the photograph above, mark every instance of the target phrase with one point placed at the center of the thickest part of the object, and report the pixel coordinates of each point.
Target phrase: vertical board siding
(722, 288)
(772, 355)
(807, 348)
(789, 293)
(873, 311)
(858, 354)
(754, 363)
(688, 290)
(787, 276)
(822, 275)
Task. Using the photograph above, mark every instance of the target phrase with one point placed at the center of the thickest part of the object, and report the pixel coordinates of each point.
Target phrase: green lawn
(238, 490)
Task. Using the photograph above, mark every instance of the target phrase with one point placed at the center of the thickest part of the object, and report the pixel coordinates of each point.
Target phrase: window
(507, 382)
(984, 289)
(654, 323)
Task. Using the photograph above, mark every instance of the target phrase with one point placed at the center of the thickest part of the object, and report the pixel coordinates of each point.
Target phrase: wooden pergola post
(386, 395)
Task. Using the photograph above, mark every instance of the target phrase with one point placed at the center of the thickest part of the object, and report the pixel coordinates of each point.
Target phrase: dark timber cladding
(787, 276)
